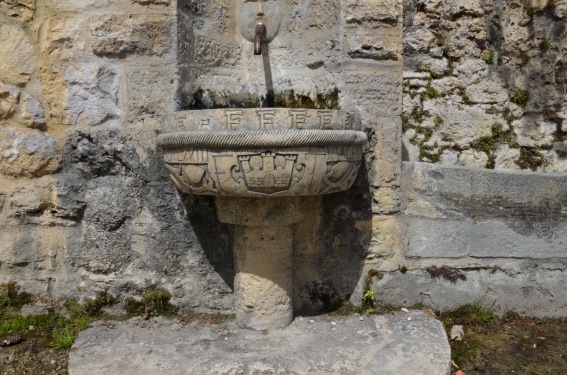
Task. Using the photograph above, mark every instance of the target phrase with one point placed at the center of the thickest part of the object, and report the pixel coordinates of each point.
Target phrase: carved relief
(268, 172)
(340, 176)
(2, 198)
(193, 179)
(262, 152)
(261, 118)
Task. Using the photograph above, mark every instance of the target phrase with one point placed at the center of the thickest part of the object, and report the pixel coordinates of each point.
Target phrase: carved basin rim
(250, 139)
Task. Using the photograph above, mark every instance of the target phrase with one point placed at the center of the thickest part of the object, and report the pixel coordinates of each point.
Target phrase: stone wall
(485, 83)
(484, 87)
(87, 205)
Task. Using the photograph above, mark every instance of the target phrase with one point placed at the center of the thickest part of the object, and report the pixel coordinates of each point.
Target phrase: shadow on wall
(331, 247)
(216, 238)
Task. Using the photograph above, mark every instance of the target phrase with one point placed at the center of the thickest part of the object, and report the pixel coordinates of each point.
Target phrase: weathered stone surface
(18, 55)
(370, 11)
(386, 345)
(84, 94)
(522, 286)
(534, 131)
(150, 90)
(460, 122)
(486, 214)
(140, 34)
(31, 111)
(28, 153)
(9, 99)
(22, 9)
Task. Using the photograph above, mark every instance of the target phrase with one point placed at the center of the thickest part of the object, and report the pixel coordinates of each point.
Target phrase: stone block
(386, 237)
(150, 89)
(18, 54)
(31, 111)
(461, 122)
(138, 34)
(9, 100)
(485, 214)
(372, 11)
(373, 44)
(502, 285)
(27, 153)
(62, 37)
(84, 93)
(377, 92)
(20, 9)
(534, 130)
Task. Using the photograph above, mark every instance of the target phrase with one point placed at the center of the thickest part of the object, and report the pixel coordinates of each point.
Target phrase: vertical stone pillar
(263, 249)
(263, 281)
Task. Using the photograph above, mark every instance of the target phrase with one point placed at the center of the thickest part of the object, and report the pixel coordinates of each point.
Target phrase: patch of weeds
(403, 269)
(426, 69)
(406, 125)
(10, 296)
(347, 309)
(560, 135)
(430, 154)
(488, 57)
(448, 273)
(417, 115)
(322, 101)
(470, 314)
(91, 307)
(154, 302)
(530, 158)
(464, 96)
(521, 98)
(430, 93)
(63, 338)
(545, 45)
(488, 143)
(368, 304)
(528, 8)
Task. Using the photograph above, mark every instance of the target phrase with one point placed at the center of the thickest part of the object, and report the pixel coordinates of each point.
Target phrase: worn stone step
(403, 343)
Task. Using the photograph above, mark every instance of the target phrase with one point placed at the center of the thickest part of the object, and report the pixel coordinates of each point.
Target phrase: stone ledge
(405, 343)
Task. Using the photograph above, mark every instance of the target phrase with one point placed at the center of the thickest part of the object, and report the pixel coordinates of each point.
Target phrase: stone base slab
(404, 343)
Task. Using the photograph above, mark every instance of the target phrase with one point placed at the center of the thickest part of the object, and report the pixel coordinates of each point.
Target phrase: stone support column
(263, 249)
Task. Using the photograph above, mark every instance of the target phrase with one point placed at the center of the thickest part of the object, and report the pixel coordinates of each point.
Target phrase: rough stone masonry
(447, 91)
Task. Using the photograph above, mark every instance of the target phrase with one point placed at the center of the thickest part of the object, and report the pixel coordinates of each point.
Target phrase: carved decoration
(262, 152)
(2, 198)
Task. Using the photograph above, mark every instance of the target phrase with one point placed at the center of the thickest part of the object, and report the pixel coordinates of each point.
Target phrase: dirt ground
(512, 345)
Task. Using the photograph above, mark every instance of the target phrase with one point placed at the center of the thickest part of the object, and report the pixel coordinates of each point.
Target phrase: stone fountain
(260, 164)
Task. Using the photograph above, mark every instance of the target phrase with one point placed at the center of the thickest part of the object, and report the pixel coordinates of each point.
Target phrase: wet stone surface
(404, 343)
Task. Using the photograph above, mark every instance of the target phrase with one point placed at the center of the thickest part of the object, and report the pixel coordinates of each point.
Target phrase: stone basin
(261, 164)
(269, 152)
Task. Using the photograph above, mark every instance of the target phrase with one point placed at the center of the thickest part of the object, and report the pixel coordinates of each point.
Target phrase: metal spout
(259, 35)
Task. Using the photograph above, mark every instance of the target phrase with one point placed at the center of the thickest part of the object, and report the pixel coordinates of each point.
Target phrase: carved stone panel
(265, 172)
(264, 152)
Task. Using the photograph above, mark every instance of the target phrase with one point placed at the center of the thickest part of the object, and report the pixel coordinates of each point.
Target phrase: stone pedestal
(263, 240)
